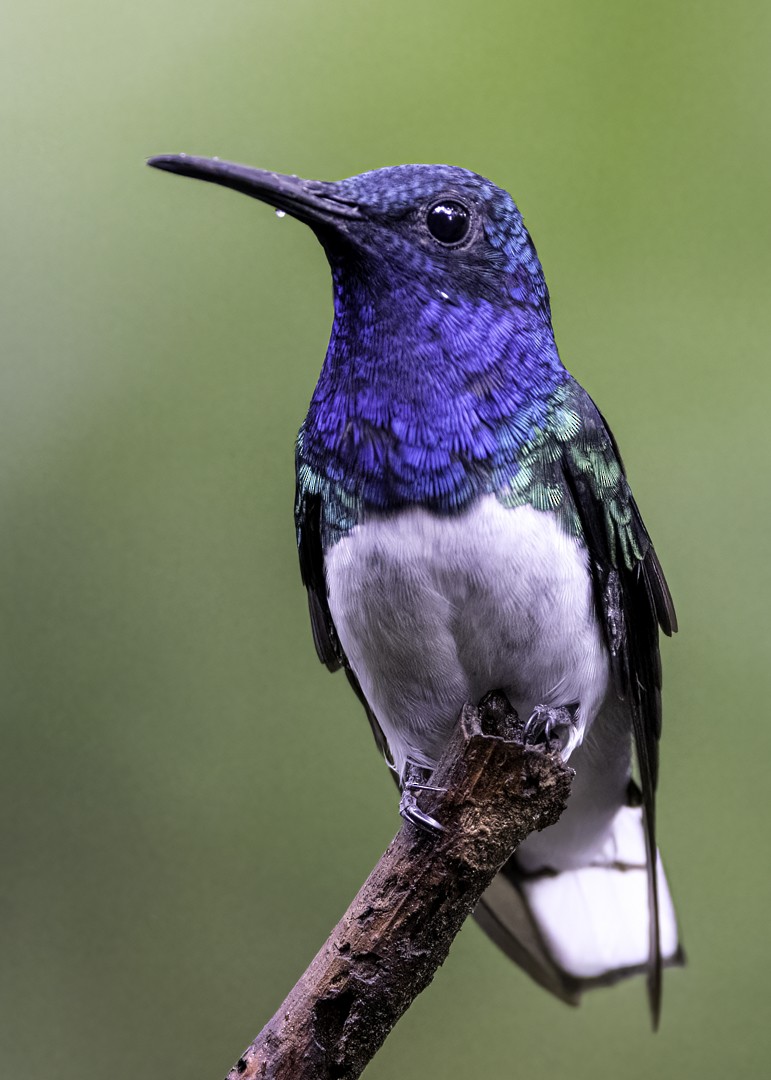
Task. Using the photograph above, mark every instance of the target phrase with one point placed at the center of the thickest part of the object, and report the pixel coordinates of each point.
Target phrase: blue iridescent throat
(424, 399)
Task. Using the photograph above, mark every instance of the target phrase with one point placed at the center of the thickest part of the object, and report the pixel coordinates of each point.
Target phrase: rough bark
(399, 928)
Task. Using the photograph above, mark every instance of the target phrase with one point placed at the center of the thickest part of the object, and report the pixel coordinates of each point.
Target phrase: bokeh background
(187, 799)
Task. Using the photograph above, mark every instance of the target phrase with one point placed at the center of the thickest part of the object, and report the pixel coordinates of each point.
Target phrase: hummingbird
(465, 524)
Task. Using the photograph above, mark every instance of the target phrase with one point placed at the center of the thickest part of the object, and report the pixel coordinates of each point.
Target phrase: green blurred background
(187, 799)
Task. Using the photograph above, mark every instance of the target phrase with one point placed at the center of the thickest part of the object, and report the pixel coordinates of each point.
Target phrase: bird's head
(441, 358)
(433, 230)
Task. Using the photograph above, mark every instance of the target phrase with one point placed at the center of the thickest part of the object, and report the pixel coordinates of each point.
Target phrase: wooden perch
(399, 928)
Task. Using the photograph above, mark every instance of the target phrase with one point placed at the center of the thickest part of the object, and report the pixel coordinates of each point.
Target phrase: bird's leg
(548, 725)
(414, 779)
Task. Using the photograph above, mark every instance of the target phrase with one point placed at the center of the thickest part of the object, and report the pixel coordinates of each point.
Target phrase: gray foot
(414, 780)
(550, 727)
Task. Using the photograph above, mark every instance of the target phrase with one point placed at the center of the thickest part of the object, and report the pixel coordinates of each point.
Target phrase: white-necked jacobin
(464, 525)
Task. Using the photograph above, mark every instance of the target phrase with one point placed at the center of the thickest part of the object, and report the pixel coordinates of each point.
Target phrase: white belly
(435, 611)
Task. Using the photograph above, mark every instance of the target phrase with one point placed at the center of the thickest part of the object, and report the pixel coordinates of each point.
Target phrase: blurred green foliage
(187, 799)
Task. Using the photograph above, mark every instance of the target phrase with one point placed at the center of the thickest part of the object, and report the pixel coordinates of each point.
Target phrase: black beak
(315, 202)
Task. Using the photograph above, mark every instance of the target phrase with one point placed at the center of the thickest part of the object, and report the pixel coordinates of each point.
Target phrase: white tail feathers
(583, 927)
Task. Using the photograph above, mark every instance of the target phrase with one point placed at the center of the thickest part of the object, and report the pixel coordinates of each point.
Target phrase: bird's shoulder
(569, 458)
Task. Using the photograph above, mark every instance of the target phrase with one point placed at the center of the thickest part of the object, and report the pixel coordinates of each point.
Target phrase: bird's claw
(410, 811)
(408, 807)
(549, 726)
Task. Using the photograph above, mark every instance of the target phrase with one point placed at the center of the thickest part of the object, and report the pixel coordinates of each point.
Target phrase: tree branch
(399, 928)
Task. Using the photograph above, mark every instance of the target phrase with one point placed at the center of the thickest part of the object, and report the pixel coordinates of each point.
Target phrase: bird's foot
(415, 780)
(552, 727)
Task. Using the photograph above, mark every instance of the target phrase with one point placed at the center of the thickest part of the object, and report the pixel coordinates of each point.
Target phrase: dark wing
(307, 517)
(633, 601)
(308, 522)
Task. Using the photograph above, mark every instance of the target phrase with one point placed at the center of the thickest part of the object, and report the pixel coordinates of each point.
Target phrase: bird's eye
(448, 221)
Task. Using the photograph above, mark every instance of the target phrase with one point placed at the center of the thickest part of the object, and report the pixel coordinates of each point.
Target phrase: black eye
(448, 221)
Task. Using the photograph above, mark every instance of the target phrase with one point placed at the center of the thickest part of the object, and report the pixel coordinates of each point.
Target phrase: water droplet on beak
(281, 213)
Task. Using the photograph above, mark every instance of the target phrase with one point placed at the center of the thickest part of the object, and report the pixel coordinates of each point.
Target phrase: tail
(586, 926)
